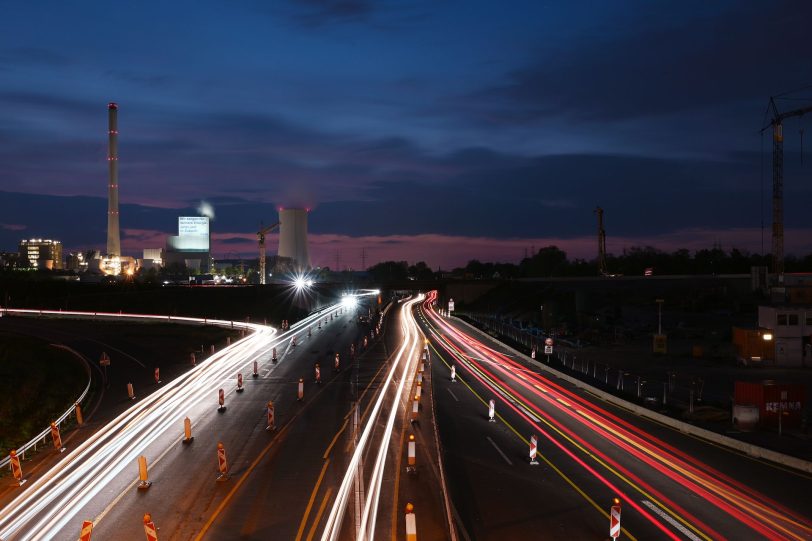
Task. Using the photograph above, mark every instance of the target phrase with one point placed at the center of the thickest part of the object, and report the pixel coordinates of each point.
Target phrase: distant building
(42, 253)
(293, 238)
(191, 248)
(12, 260)
(790, 332)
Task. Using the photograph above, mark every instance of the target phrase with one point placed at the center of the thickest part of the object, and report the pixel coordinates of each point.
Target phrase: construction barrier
(157, 375)
(533, 450)
(318, 373)
(273, 356)
(239, 383)
(614, 520)
(301, 389)
(16, 469)
(130, 391)
(187, 431)
(453, 373)
(149, 528)
(271, 417)
(192, 358)
(415, 408)
(337, 363)
(221, 399)
(87, 530)
(79, 419)
(143, 477)
(411, 459)
(411, 523)
(56, 437)
(491, 411)
(255, 373)
(222, 463)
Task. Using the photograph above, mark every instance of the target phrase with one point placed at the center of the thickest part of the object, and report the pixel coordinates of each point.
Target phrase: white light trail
(405, 355)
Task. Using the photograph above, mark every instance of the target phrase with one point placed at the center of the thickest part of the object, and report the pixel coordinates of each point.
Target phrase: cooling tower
(113, 234)
(293, 237)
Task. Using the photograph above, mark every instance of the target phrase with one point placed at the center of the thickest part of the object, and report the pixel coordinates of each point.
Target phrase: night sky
(440, 131)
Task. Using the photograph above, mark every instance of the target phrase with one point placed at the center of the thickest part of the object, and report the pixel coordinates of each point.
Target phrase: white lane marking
(668, 518)
(452, 394)
(500, 451)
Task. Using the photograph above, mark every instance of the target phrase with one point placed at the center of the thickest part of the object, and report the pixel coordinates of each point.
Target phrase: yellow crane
(261, 238)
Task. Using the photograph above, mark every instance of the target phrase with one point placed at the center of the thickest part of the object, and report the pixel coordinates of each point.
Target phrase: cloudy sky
(420, 130)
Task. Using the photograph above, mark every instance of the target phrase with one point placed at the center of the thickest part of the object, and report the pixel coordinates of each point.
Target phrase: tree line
(551, 261)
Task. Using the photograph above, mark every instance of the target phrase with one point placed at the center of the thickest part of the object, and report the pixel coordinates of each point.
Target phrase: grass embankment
(38, 382)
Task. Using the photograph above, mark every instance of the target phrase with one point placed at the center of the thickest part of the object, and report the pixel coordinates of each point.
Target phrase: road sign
(548, 350)
(614, 522)
(450, 305)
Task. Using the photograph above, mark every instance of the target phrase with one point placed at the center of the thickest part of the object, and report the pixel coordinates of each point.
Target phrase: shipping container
(772, 398)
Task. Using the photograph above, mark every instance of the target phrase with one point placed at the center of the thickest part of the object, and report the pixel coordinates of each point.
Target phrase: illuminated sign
(196, 226)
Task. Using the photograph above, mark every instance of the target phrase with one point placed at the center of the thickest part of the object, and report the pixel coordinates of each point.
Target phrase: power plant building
(293, 238)
(191, 248)
(42, 253)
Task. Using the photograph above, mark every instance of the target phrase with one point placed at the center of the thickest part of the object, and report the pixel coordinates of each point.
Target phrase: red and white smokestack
(113, 233)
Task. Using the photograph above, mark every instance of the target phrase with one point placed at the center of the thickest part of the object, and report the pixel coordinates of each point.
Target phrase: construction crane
(261, 238)
(601, 242)
(776, 123)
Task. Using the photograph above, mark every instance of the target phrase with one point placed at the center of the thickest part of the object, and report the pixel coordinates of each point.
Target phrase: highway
(95, 481)
(670, 485)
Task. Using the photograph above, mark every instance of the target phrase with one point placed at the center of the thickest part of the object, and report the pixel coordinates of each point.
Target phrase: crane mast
(776, 123)
(261, 238)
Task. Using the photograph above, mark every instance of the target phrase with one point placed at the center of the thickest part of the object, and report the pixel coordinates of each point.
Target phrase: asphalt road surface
(670, 485)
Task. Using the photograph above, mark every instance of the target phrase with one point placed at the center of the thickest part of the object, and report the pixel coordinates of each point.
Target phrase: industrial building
(41, 253)
(293, 238)
(191, 248)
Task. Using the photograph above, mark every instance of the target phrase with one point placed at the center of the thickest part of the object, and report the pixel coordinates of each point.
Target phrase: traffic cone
(533, 450)
(221, 399)
(301, 389)
(240, 388)
(273, 356)
(192, 358)
(337, 363)
(453, 373)
(130, 391)
(143, 477)
(491, 411)
(56, 437)
(222, 463)
(157, 375)
(318, 374)
(255, 373)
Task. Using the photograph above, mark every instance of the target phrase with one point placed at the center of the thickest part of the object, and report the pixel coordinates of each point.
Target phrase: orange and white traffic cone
(453, 374)
(614, 519)
(157, 375)
(56, 437)
(149, 528)
(301, 389)
(221, 399)
(240, 388)
(411, 459)
(271, 417)
(192, 359)
(16, 469)
(318, 374)
(130, 391)
(87, 530)
(337, 363)
(491, 411)
(222, 463)
(255, 373)
(273, 356)
(293, 342)
(411, 523)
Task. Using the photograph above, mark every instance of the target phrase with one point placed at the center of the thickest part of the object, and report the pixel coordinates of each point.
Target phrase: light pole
(660, 315)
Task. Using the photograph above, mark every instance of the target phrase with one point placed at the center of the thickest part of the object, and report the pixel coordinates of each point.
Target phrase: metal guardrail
(42, 436)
